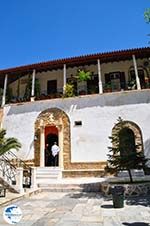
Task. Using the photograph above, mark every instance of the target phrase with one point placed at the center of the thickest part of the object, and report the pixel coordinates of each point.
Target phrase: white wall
(98, 114)
(90, 141)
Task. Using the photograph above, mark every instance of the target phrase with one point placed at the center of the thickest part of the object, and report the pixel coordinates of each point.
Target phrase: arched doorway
(60, 120)
(49, 123)
(51, 136)
(126, 141)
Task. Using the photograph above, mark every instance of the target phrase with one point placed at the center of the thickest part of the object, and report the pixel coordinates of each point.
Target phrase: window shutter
(122, 80)
(107, 78)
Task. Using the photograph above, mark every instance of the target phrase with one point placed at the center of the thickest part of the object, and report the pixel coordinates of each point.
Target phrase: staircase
(49, 179)
(47, 175)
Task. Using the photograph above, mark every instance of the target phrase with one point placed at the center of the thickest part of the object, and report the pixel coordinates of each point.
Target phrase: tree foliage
(147, 15)
(69, 90)
(121, 154)
(6, 144)
(83, 75)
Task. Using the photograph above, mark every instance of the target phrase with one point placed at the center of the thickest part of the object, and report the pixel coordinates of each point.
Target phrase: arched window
(129, 137)
(126, 141)
(143, 76)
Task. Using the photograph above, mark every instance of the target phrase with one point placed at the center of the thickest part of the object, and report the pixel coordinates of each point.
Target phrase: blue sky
(40, 30)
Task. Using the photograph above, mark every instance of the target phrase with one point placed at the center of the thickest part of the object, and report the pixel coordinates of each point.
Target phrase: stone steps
(46, 174)
(63, 187)
(59, 187)
(49, 179)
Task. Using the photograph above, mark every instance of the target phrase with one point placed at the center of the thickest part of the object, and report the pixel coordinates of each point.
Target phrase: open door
(51, 136)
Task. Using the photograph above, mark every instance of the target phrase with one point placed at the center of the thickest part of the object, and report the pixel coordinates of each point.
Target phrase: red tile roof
(74, 61)
(85, 59)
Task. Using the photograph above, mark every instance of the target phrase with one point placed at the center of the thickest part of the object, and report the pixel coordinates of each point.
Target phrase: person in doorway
(47, 154)
(55, 150)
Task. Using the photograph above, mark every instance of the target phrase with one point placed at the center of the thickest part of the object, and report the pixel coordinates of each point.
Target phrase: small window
(78, 123)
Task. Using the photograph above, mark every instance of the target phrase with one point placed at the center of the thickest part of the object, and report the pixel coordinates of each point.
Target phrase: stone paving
(80, 209)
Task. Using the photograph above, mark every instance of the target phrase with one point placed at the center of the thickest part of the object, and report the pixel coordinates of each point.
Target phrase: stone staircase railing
(8, 173)
(15, 174)
(19, 163)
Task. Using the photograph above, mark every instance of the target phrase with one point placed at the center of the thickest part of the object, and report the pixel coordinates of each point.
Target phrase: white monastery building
(47, 102)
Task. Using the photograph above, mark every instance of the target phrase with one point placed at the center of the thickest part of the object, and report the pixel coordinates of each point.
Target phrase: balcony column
(64, 78)
(42, 144)
(100, 85)
(136, 73)
(4, 91)
(33, 86)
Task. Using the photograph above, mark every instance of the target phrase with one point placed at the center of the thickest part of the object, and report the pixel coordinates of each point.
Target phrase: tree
(6, 144)
(28, 88)
(147, 15)
(124, 153)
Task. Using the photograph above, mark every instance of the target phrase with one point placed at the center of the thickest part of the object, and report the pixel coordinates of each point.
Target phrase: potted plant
(132, 84)
(108, 87)
(69, 90)
(28, 88)
(147, 83)
(82, 77)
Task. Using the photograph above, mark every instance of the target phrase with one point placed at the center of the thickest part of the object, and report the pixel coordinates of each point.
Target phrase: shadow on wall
(136, 224)
(147, 150)
(115, 99)
(31, 146)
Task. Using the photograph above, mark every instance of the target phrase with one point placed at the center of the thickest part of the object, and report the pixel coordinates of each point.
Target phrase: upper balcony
(99, 73)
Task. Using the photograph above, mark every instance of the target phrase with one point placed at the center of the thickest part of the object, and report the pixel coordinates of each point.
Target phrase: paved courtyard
(80, 209)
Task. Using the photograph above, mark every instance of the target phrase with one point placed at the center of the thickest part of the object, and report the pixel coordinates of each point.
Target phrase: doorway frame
(56, 133)
(47, 118)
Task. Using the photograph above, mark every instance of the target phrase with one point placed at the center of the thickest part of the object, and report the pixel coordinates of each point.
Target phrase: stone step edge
(21, 196)
(84, 170)
(47, 173)
(54, 182)
(68, 170)
(69, 189)
(60, 190)
(48, 170)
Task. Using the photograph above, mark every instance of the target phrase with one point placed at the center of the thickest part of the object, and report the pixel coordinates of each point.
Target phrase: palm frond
(6, 144)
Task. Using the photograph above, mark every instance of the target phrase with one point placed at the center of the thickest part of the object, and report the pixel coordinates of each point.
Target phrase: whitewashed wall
(98, 114)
